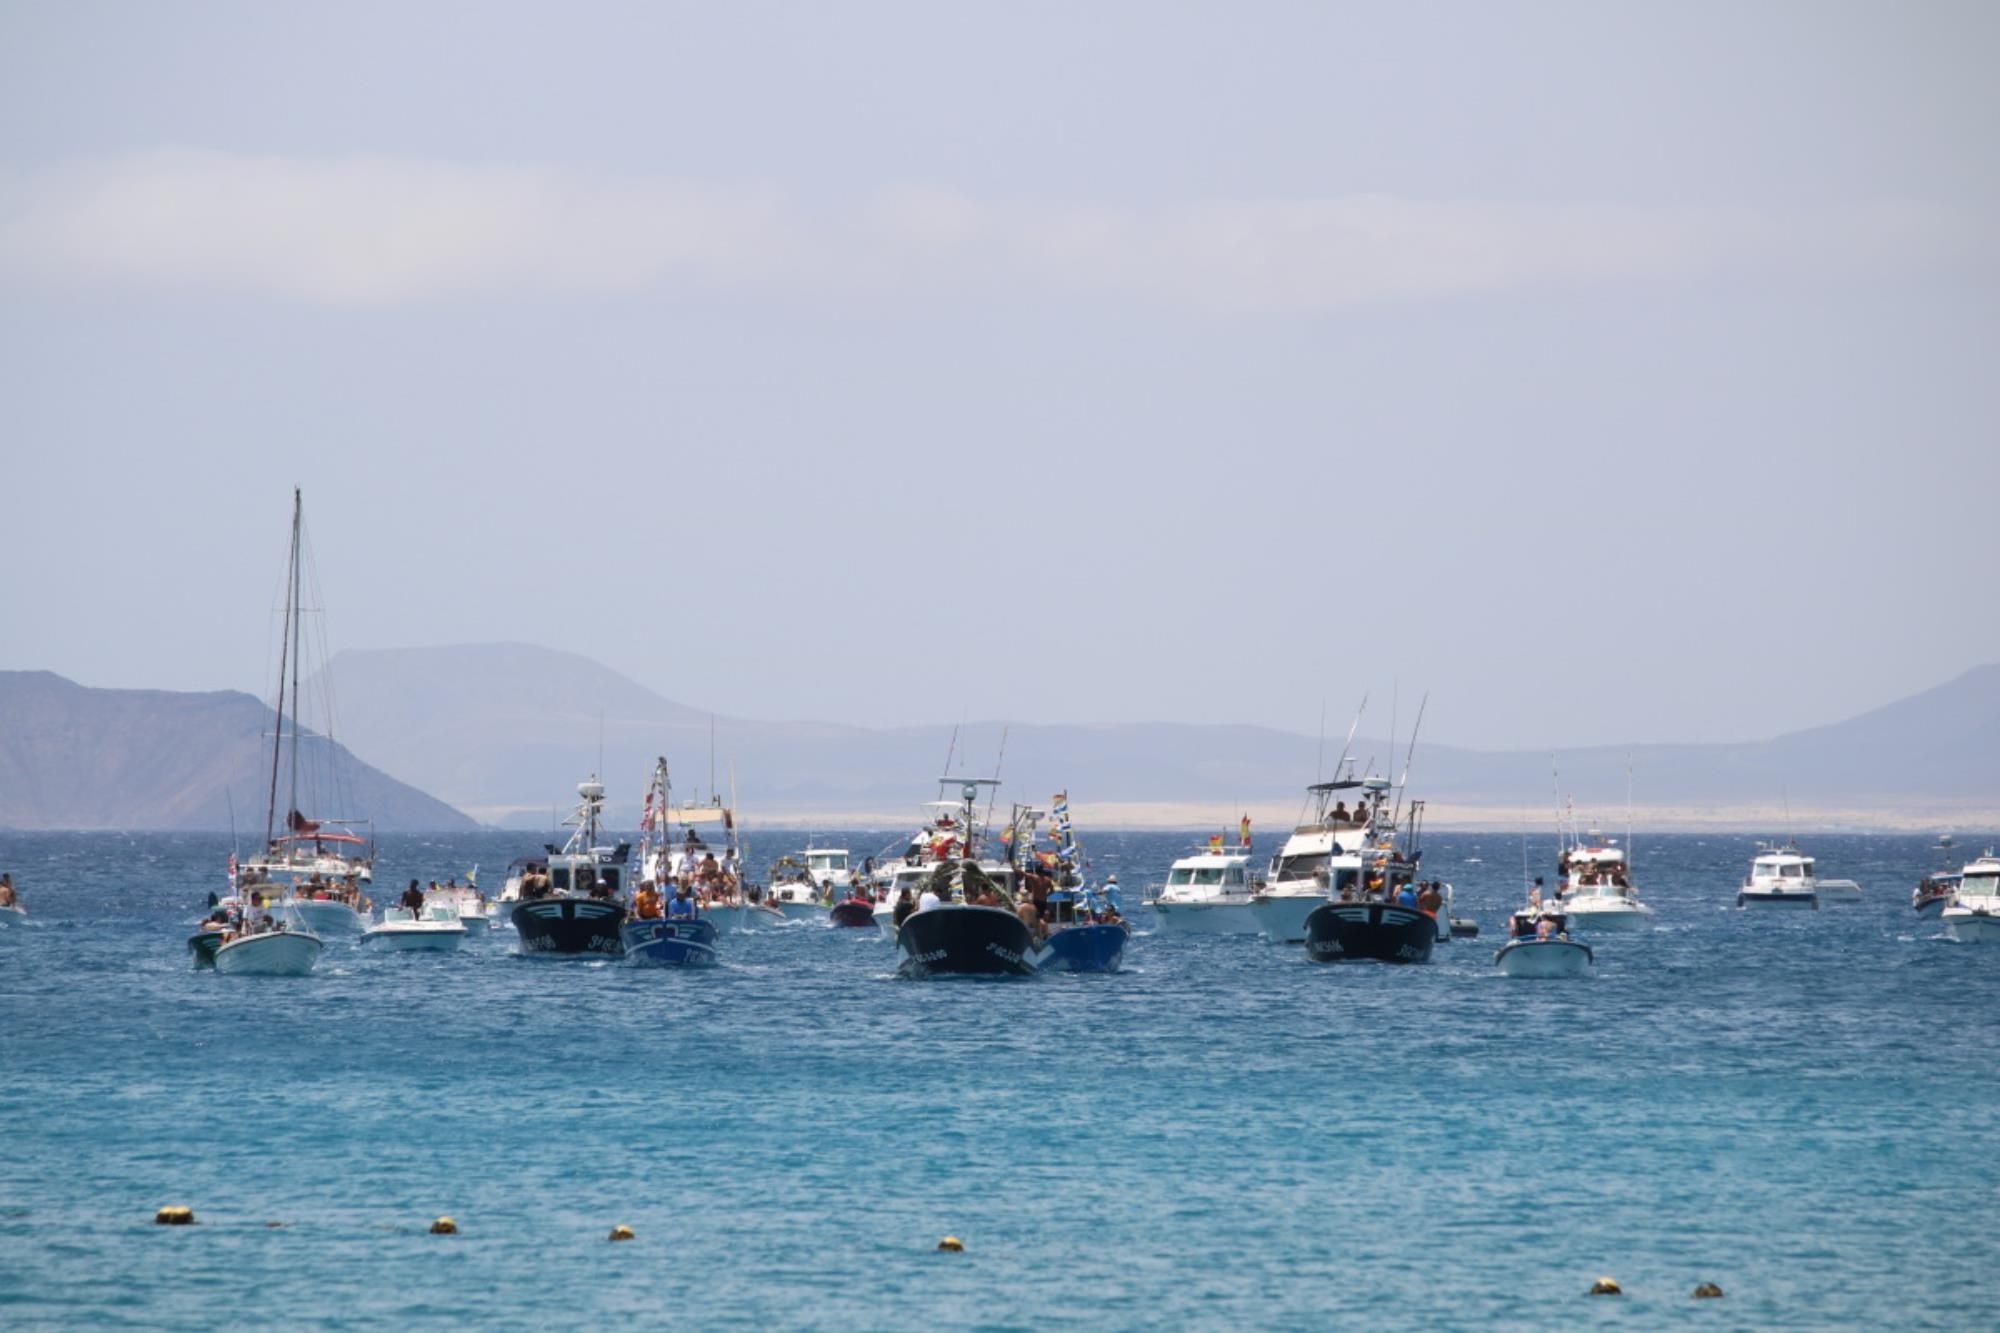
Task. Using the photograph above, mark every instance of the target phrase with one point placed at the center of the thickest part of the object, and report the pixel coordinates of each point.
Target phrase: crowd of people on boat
(1426, 895)
(1589, 873)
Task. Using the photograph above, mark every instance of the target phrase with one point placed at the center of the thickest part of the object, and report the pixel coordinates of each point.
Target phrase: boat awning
(699, 814)
(321, 837)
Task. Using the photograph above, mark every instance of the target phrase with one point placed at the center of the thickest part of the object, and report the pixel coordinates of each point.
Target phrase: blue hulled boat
(657, 943)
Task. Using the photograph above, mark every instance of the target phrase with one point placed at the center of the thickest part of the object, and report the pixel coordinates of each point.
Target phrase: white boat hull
(416, 936)
(1797, 899)
(802, 911)
(885, 921)
(1282, 917)
(1972, 927)
(12, 916)
(278, 953)
(324, 917)
(1626, 916)
(1207, 919)
(1543, 958)
(1836, 892)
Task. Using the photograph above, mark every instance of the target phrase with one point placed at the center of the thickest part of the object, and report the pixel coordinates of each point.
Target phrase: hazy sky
(1612, 371)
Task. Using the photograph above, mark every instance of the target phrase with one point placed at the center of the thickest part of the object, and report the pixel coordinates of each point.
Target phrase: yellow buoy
(1707, 1291)
(621, 1233)
(1606, 1286)
(444, 1226)
(174, 1216)
(952, 1244)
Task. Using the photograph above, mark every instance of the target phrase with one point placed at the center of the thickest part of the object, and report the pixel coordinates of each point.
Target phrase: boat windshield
(1180, 875)
(1208, 875)
(1303, 866)
(1984, 883)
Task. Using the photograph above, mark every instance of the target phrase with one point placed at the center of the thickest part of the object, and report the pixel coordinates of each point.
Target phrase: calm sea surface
(1800, 1108)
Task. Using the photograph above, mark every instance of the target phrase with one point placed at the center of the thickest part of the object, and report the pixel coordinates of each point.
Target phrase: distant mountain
(506, 730)
(72, 757)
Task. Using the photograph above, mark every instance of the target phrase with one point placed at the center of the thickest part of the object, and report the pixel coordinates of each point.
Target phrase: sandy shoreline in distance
(1967, 820)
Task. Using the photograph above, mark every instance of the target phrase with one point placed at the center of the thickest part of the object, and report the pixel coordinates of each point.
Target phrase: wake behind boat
(573, 907)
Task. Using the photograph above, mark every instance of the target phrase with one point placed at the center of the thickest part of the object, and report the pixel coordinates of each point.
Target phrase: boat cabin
(601, 869)
(1787, 867)
(1981, 879)
(1588, 866)
(1211, 870)
(824, 863)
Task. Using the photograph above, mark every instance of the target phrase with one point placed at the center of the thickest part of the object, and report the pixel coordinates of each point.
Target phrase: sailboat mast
(284, 652)
(297, 509)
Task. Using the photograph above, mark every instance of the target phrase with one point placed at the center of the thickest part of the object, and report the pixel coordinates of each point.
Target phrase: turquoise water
(1796, 1107)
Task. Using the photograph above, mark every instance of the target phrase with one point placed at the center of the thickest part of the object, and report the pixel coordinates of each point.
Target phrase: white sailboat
(314, 869)
(259, 942)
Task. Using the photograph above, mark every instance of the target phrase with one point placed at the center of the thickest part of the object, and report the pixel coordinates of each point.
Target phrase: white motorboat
(1538, 945)
(793, 890)
(1594, 883)
(462, 901)
(437, 930)
(1780, 877)
(1934, 892)
(1208, 893)
(1973, 915)
(1342, 854)
(275, 952)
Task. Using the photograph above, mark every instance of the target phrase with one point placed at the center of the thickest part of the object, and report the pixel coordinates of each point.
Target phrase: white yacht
(1594, 885)
(1783, 876)
(1208, 893)
(1973, 914)
(1341, 853)
(437, 930)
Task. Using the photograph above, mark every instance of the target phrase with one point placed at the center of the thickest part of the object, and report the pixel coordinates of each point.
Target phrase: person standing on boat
(1111, 891)
(8, 898)
(681, 907)
(929, 899)
(413, 900)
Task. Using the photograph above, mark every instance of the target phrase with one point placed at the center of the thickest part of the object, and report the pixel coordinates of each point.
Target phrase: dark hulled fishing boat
(1383, 932)
(578, 906)
(961, 935)
(966, 940)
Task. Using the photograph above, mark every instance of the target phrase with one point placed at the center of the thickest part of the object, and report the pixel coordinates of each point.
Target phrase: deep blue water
(1799, 1108)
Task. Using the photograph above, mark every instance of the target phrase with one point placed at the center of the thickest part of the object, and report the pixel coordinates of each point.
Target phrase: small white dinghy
(437, 930)
(269, 953)
(1973, 914)
(1538, 945)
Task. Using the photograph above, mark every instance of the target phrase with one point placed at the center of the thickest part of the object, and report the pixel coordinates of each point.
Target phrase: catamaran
(1782, 876)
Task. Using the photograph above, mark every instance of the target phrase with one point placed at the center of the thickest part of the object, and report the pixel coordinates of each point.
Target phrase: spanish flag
(1245, 831)
(1215, 842)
